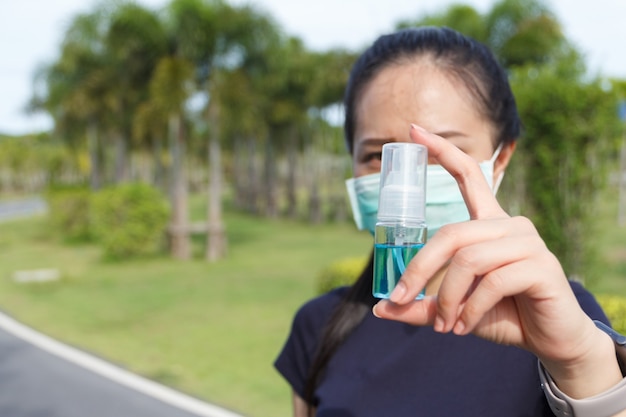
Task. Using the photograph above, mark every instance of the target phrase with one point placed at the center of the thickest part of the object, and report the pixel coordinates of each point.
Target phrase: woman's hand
(501, 284)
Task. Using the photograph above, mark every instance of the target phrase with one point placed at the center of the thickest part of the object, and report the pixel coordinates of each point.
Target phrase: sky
(31, 32)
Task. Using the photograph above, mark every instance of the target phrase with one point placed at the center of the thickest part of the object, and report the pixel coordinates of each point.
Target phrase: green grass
(209, 329)
(610, 274)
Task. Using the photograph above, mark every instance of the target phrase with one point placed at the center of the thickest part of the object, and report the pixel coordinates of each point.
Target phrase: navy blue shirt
(391, 369)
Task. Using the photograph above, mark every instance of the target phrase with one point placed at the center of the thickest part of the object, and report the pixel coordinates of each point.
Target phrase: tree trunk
(179, 227)
(253, 186)
(216, 232)
(340, 202)
(159, 170)
(621, 205)
(315, 201)
(240, 182)
(315, 204)
(216, 241)
(292, 163)
(121, 158)
(271, 203)
(94, 156)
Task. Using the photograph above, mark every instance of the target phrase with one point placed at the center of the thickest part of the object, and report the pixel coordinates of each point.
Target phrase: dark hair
(347, 316)
(458, 55)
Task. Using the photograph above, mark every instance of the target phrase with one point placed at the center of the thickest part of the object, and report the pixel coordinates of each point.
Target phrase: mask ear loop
(492, 161)
(496, 153)
(496, 186)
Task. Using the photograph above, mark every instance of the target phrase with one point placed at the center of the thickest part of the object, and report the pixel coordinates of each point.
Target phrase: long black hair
(457, 55)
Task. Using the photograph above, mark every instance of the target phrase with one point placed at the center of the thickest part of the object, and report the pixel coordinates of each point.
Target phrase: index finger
(478, 196)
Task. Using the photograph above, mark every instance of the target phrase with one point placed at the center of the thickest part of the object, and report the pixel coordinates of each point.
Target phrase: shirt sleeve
(294, 361)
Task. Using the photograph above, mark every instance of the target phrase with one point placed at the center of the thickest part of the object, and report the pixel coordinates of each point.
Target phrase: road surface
(40, 377)
(22, 208)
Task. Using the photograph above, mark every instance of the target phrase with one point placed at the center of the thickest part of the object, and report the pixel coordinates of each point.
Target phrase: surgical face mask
(444, 201)
(363, 194)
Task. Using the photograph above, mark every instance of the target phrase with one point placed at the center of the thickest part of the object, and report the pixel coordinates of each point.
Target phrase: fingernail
(374, 311)
(398, 293)
(459, 328)
(418, 128)
(439, 324)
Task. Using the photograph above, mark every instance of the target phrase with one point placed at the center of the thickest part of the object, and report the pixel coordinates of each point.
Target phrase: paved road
(21, 208)
(42, 378)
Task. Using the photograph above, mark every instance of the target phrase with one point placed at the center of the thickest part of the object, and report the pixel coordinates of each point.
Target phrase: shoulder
(316, 312)
(294, 361)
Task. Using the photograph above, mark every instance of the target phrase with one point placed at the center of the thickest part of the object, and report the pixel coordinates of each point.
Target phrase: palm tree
(135, 41)
(101, 77)
(76, 92)
(217, 38)
(170, 87)
(149, 129)
(331, 70)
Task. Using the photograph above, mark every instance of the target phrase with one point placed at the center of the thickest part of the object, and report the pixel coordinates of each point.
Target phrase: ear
(503, 159)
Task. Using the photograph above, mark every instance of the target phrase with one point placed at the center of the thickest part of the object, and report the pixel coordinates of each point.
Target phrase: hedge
(615, 308)
(69, 209)
(339, 273)
(129, 220)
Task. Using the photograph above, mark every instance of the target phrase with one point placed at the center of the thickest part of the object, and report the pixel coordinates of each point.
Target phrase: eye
(370, 156)
(371, 161)
(373, 156)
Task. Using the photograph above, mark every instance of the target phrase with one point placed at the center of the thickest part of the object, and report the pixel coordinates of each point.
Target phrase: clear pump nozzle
(403, 182)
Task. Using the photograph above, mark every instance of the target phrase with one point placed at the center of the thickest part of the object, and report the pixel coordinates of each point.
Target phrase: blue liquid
(390, 261)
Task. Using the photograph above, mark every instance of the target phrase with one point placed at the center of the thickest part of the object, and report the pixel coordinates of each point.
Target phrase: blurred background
(172, 173)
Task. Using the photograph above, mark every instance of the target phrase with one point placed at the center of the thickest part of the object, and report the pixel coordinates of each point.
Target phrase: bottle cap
(403, 182)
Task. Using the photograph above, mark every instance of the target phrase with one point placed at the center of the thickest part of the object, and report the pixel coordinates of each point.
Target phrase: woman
(497, 299)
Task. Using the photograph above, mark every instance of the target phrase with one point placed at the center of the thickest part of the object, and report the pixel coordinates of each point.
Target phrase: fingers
(482, 273)
(478, 196)
(446, 243)
(475, 307)
(480, 277)
(417, 313)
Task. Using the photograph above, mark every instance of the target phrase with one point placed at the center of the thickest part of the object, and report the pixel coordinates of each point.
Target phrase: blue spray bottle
(401, 227)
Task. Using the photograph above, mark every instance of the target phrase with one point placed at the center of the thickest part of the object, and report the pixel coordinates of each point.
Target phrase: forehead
(417, 92)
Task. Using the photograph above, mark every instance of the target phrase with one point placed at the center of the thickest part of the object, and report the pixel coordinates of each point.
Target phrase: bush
(129, 220)
(69, 209)
(615, 309)
(339, 273)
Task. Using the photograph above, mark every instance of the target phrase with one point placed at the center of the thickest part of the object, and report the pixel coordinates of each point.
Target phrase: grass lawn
(211, 330)
(611, 274)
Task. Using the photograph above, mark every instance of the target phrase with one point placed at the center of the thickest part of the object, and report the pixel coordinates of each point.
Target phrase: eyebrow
(451, 133)
(374, 141)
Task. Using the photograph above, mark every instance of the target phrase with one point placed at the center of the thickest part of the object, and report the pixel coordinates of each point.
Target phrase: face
(418, 92)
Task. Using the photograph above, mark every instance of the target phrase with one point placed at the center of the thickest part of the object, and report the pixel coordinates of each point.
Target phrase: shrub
(615, 309)
(69, 212)
(339, 273)
(129, 220)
